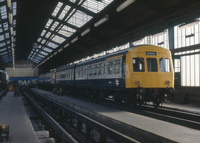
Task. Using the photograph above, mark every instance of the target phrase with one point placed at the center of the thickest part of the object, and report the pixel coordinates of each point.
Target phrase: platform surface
(164, 129)
(13, 113)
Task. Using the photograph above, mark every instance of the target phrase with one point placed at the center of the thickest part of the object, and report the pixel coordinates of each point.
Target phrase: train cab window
(138, 64)
(164, 65)
(152, 65)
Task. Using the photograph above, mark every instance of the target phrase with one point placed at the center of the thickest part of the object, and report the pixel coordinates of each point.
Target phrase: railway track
(172, 115)
(73, 125)
(179, 117)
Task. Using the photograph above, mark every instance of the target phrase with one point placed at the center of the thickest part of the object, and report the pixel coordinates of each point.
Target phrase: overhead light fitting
(66, 45)
(85, 32)
(74, 40)
(124, 5)
(101, 21)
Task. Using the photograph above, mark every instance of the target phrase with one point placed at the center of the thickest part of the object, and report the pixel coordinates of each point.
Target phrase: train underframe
(134, 96)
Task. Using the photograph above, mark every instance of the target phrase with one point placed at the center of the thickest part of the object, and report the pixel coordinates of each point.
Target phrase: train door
(177, 71)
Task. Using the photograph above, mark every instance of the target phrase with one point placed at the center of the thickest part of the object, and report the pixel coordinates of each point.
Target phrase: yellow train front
(149, 74)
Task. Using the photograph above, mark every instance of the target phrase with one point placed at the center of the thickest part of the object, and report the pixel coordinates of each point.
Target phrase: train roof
(100, 58)
(121, 52)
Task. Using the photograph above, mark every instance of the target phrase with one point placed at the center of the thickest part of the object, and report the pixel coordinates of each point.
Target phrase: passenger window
(108, 67)
(152, 65)
(116, 66)
(165, 65)
(138, 64)
(99, 66)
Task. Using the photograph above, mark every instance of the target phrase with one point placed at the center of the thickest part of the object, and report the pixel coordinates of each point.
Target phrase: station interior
(44, 36)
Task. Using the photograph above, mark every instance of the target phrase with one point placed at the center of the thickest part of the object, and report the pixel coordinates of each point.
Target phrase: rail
(104, 131)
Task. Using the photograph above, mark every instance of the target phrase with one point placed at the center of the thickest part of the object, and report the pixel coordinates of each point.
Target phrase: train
(135, 75)
(4, 81)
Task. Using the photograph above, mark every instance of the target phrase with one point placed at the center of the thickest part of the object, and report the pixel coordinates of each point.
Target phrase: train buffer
(4, 132)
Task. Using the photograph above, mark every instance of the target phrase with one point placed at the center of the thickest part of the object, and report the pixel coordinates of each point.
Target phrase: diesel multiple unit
(135, 75)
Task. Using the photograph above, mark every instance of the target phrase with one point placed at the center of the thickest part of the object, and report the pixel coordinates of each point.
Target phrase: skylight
(66, 31)
(79, 19)
(66, 20)
(96, 6)
(64, 12)
(8, 11)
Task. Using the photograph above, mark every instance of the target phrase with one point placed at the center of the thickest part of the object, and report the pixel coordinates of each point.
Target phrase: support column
(171, 38)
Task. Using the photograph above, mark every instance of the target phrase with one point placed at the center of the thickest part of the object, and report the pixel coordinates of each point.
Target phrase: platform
(13, 113)
(134, 122)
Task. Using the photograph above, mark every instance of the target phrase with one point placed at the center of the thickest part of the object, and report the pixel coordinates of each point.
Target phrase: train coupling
(4, 132)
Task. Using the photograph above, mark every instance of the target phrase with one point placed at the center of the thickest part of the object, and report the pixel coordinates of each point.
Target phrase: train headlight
(167, 82)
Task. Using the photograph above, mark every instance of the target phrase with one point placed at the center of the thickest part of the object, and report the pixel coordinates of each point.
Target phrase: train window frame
(165, 68)
(139, 63)
(117, 63)
(153, 65)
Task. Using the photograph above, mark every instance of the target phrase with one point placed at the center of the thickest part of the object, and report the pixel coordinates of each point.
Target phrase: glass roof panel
(39, 46)
(3, 53)
(8, 42)
(5, 26)
(79, 18)
(64, 12)
(66, 31)
(2, 49)
(58, 28)
(96, 6)
(43, 41)
(48, 23)
(57, 9)
(39, 39)
(73, 1)
(47, 50)
(3, 12)
(43, 53)
(47, 35)
(52, 45)
(2, 44)
(2, 37)
(43, 32)
(14, 8)
(54, 25)
(58, 39)
(36, 61)
(41, 56)
(7, 35)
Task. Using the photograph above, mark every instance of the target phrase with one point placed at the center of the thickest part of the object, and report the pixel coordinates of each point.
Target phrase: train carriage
(103, 73)
(136, 75)
(65, 77)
